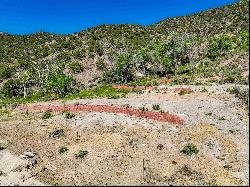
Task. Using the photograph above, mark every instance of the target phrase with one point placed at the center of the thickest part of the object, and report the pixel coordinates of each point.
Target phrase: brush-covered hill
(227, 19)
(209, 44)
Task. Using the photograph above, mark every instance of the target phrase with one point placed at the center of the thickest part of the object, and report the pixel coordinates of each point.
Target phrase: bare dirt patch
(127, 150)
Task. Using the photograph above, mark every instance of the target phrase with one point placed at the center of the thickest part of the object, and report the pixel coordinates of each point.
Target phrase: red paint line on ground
(158, 116)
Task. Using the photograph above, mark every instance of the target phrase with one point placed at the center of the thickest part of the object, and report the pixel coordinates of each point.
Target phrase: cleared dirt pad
(127, 150)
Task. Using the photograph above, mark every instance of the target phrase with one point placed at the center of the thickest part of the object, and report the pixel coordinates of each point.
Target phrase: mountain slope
(190, 45)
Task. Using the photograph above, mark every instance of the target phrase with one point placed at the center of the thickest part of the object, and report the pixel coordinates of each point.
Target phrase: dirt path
(13, 172)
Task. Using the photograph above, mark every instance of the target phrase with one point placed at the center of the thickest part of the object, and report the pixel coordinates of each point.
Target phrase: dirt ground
(127, 150)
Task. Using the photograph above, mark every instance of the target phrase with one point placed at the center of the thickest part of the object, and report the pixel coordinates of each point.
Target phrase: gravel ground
(125, 150)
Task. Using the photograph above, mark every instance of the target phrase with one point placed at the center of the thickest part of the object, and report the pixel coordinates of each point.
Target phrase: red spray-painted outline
(158, 116)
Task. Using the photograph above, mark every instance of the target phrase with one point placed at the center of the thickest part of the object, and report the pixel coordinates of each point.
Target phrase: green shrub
(122, 72)
(47, 115)
(222, 118)
(59, 83)
(243, 40)
(81, 154)
(209, 114)
(240, 93)
(231, 75)
(182, 69)
(79, 54)
(68, 115)
(204, 89)
(6, 71)
(144, 109)
(220, 45)
(156, 107)
(100, 64)
(189, 149)
(63, 149)
(184, 92)
(12, 88)
(76, 67)
(233, 90)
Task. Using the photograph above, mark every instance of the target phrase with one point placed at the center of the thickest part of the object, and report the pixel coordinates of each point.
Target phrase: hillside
(186, 46)
(163, 105)
(224, 20)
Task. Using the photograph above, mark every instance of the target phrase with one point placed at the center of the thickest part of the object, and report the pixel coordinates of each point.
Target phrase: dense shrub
(6, 71)
(76, 67)
(100, 64)
(12, 88)
(59, 83)
(123, 70)
(220, 45)
(243, 39)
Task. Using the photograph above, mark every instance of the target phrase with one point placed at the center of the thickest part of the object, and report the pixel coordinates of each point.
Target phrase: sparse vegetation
(144, 109)
(190, 149)
(156, 107)
(81, 154)
(240, 93)
(204, 89)
(47, 115)
(68, 115)
(184, 92)
(104, 91)
(76, 67)
(222, 118)
(62, 149)
(209, 114)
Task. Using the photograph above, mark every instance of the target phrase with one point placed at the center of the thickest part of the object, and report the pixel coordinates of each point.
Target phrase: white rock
(29, 154)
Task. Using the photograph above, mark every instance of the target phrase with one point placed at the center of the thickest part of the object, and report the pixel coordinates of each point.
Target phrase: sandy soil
(127, 150)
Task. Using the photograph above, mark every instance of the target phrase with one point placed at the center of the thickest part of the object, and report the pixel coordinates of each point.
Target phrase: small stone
(56, 133)
(29, 154)
(160, 146)
(3, 144)
(174, 162)
(228, 167)
(2, 173)
(34, 162)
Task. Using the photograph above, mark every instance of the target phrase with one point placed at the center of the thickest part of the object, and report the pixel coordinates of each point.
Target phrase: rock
(31, 164)
(1, 173)
(56, 133)
(3, 144)
(23, 156)
(29, 154)
(160, 146)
